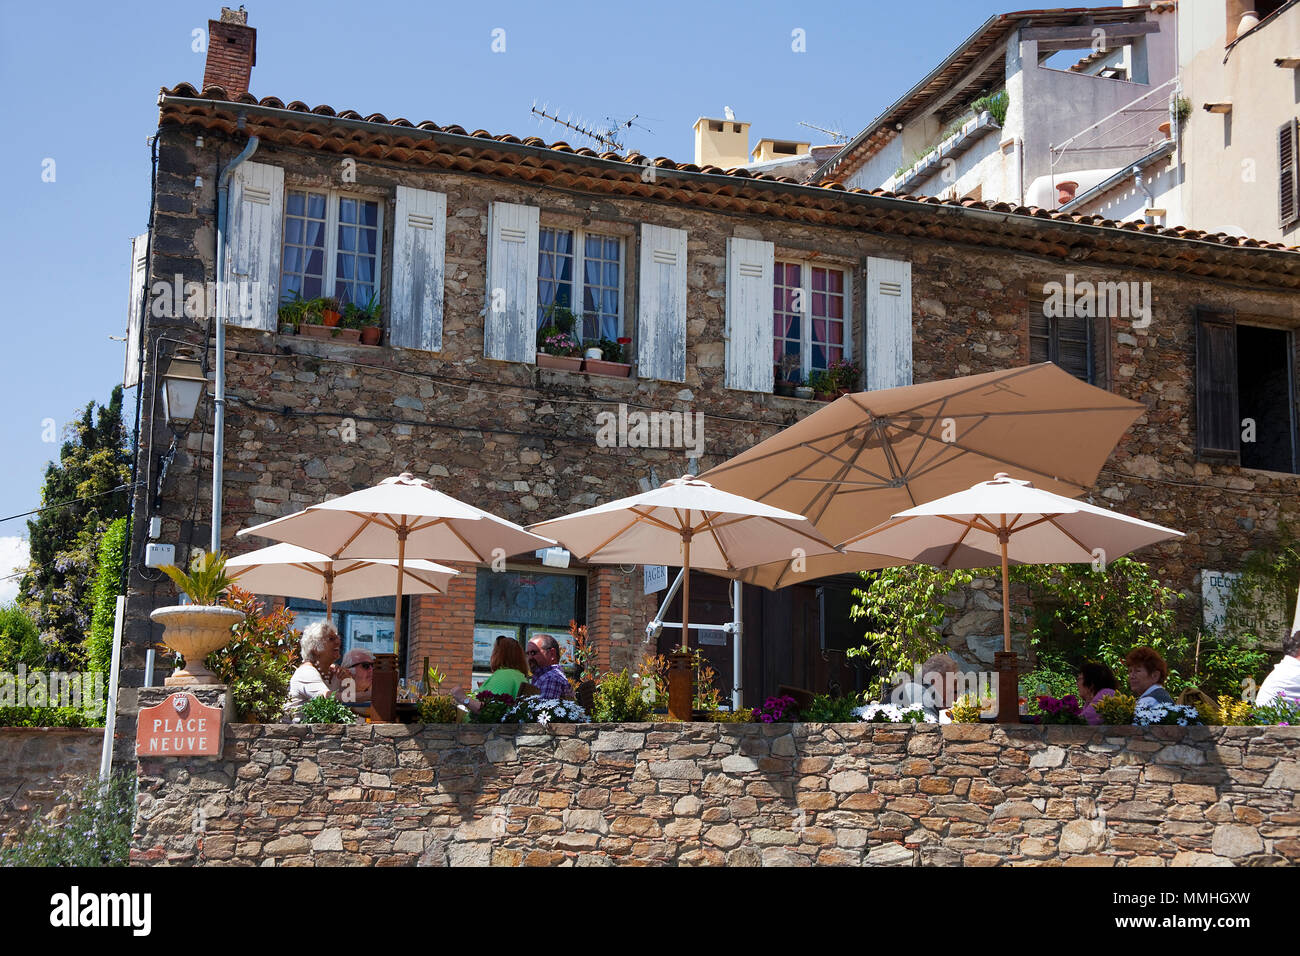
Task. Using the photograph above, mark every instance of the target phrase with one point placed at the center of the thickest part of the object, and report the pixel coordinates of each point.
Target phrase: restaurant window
(331, 246)
(365, 624)
(522, 603)
(582, 272)
(809, 305)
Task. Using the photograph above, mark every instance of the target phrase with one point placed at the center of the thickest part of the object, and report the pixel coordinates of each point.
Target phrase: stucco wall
(727, 794)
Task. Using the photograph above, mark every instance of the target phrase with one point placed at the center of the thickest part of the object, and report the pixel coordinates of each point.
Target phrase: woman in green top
(508, 672)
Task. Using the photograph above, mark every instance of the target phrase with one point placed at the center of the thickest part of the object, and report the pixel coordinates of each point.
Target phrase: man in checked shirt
(548, 677)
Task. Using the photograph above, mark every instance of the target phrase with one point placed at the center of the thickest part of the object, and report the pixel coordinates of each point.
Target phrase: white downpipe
(110, 715)
(737, 624)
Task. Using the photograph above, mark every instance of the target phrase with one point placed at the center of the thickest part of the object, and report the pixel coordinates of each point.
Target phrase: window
(820, 294)
(1080, 344)
(522, 603)
(1288, 175)
(1245, 393)
(331, 246)
(563, 255)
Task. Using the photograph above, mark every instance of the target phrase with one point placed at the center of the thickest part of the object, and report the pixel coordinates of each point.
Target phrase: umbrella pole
(679, 667)
(329, 594)
(397, 611)
(1005, 660)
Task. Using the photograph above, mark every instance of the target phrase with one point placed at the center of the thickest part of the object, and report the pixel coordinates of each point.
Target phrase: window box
(601, 367)
(333, 333)
(566, 363)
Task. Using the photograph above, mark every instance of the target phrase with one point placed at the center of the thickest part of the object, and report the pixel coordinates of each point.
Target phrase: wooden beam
(1082, 33)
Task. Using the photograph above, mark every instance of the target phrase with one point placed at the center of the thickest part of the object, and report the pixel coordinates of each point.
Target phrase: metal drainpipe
(219, 399)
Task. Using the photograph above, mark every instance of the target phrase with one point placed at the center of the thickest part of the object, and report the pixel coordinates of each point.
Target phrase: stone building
(466, 236)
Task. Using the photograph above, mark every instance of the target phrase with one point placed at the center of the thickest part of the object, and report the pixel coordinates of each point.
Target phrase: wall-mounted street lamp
(183, 386)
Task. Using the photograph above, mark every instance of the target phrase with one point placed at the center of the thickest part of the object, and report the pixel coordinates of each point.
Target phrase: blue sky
(82, 81)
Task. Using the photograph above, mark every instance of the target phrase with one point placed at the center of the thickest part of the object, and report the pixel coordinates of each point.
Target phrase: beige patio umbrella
(689, 523)
(401, 514)
(868, 455)
(291, 571)
(1008, 521)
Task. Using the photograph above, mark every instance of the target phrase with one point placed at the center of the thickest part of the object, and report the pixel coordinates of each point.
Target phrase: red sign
(181, 726)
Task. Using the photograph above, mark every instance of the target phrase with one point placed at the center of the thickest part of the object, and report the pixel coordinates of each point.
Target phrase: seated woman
(1147, 671)
(360, 664)
(508, 666)
(1094, 681)
(318, 675)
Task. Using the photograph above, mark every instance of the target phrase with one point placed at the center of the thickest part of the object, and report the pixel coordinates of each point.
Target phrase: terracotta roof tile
(739, 174)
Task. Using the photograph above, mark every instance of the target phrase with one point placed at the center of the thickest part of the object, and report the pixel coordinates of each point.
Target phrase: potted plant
(292, 312)
(197, 629)
(313, 321)
(329, 311)
(611, 360)
(786, 375)
(822, 384)
(846, 375)
(558, 349)
(371, 321)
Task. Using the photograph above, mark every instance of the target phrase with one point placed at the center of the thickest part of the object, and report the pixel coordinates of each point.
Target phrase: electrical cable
(71, 501)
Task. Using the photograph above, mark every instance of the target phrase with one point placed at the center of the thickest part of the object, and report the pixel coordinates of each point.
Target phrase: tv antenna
(837, 136)
(605, 137)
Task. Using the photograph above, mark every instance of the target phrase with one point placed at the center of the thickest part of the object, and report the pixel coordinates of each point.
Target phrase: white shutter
(750, 268)
(134, 308)
(510, 322)
(887, 355)
(661, 316)
(1288, 174)
(419, 255)
(253, 236)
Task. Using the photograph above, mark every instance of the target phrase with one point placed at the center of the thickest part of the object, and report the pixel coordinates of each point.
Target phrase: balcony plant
(330, 315)
(292, 312)
(822, 384)
(370, 319)
(558, 349)
(197, 629)
(786, 375)
(612, 359)
(846, 376)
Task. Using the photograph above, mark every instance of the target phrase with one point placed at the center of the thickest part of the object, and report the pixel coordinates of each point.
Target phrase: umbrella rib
(366, 521)
(1051, 519)
(957, 544)
(616, 534)
(461, 538)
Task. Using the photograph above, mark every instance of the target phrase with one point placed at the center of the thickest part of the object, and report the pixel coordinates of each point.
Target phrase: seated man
(360, 664)
(1284, 679)
(548, 677)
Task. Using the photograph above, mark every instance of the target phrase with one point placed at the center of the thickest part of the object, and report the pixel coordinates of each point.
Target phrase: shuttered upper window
(570, 261)
(809, 306)
(331, 242)
(1288, 165)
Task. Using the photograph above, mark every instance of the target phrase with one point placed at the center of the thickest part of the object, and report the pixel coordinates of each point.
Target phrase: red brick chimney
(232, 52)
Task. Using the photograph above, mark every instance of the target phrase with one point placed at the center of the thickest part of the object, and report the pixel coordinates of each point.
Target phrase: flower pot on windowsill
(330, 318)
(785, 389)
(601, 367)
(567, 363)
(333, 334)
(371, 335)
(803, 391)
(288, 328)
(824, 396)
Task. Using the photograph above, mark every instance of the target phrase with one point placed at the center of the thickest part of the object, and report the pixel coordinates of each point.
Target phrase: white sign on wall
(656, 578)
(1216, 588)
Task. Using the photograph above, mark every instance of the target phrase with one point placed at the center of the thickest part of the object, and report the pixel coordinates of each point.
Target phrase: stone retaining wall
(38, 765)
(733, 794)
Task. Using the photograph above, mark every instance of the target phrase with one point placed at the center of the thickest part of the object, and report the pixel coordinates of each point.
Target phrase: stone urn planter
(194, 631)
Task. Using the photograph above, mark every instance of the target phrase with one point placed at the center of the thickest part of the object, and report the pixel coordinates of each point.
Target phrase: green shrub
(108, 583)
(46, 717)
(619, 699)
(97, 832)
(995, 103)
(1222, 664)
(1283, 711)
(326, 710)
(258, 661)
(902, 611)
(20, 640)
(830, 710)
(438, 709)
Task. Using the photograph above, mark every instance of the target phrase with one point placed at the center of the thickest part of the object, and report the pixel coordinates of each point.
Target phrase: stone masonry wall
(727, 794)
(38, 765)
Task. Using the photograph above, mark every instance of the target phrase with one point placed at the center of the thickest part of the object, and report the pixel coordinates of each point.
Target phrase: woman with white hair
(318, 675)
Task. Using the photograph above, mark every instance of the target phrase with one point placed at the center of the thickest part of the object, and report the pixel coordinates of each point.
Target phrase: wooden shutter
(253, 242)
(661, 315)
(135, 308)
(1288, 174)
(510, 322)
(1217, 420)
(419, 255)
(1078, 344)
(887, 357)
(750, 267)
